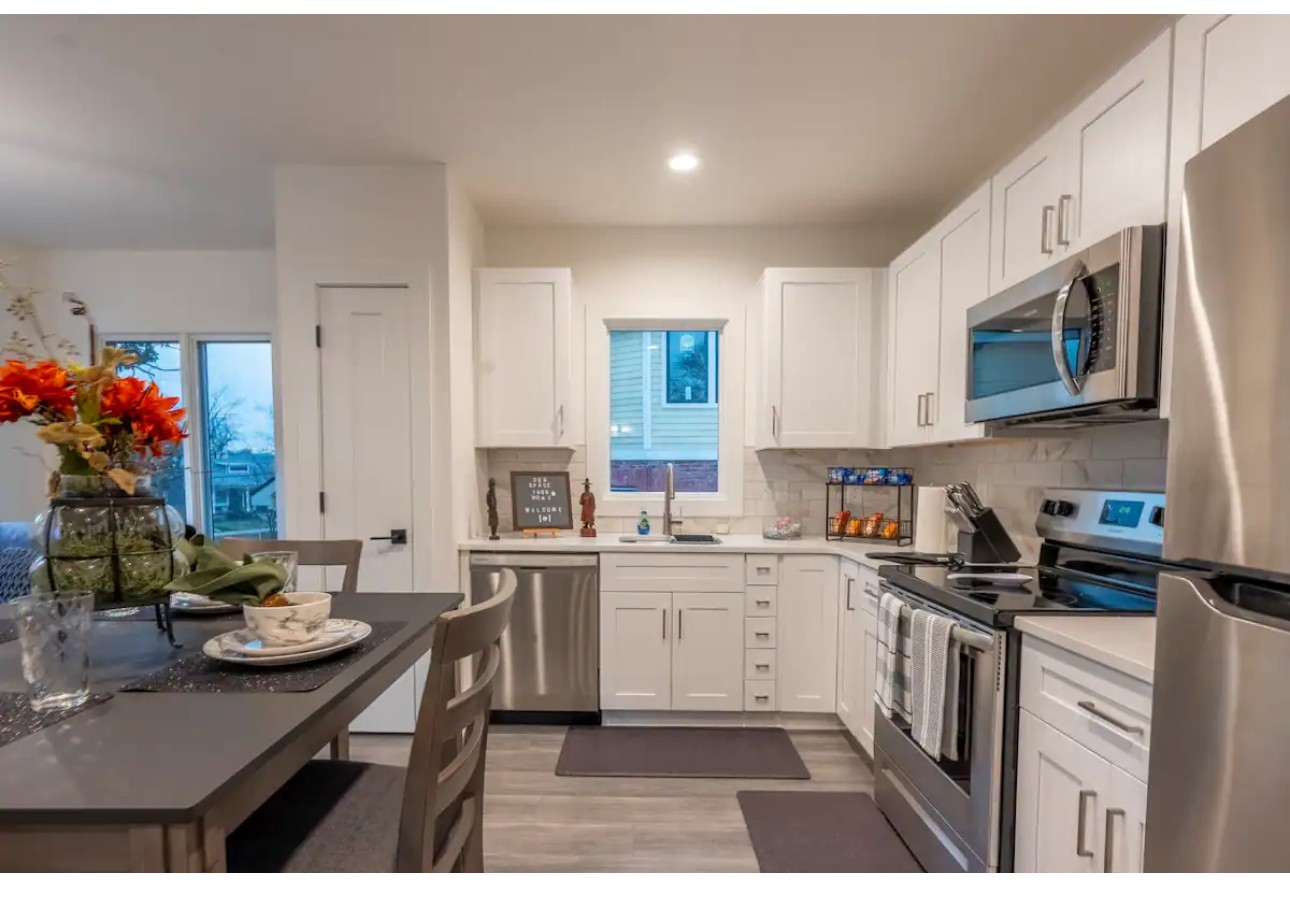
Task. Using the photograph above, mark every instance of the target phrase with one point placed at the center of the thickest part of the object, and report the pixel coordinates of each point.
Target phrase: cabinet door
(1227, 69)
(708, 652)
(914, 342)
(868, 631)
(964, 244)
(1062, 790)
(1125, 824)
(808, 633)
(1119, 151)
(850, 654)
(819, 371)
(635, 651)
(1023, 199)
(523, 326)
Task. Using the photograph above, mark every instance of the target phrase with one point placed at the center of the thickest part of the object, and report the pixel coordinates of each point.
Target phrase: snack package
(854, 527)
(872, 525)
(875, 476)
(891, 530)
(839, 522)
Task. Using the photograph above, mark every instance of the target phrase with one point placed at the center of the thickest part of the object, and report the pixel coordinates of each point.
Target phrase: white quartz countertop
(570, 543)
(1126, 644)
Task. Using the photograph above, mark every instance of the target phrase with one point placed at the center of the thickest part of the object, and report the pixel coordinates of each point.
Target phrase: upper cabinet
(528, 358)
(931, 287)
(819, 371)
(1102, 168)
(1227, 69)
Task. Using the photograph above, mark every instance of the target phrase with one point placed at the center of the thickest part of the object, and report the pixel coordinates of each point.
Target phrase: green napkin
(216, 575)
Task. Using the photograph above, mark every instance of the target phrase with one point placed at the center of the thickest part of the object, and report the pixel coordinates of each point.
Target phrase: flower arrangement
(100, 422)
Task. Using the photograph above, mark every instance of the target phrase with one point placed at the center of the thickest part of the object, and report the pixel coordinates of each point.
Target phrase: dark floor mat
(822, 832)
(731, 752)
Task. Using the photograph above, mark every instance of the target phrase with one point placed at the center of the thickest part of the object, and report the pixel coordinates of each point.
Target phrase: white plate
(1008, 579)
(183, 602)
(236, 647)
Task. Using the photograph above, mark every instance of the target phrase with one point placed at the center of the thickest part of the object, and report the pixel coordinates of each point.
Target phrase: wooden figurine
(491, 500)
(588, 501)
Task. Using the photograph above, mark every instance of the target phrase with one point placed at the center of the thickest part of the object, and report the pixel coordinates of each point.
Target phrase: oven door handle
(1069, 380)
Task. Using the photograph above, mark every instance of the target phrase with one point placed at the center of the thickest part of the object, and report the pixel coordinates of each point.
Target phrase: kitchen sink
(695, 539)
(664, 539)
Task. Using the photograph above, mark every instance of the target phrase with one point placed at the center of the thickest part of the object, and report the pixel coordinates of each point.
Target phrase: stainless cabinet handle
(921, 397)
(679, 625)
(665, 624)
(1103, 716)
(762, 667)
(560, 423)
(1045, 229)
(762, 635)
(774, 422)
(761, 698)
(870, 593)
(930, 420)
(850, 582)
(1108, 852)
(761, 603)
(1063, 220)
(1085, 796)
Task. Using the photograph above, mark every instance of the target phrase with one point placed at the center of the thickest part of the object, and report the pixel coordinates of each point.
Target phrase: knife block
(990, 543)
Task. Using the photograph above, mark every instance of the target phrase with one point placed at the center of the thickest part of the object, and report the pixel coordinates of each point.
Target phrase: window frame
(191, 384)
(727, 501)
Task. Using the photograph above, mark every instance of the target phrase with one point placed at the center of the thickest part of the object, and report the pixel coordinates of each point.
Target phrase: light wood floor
(536, 821)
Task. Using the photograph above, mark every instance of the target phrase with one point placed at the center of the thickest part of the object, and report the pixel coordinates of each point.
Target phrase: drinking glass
(288, 560)
(54, 631)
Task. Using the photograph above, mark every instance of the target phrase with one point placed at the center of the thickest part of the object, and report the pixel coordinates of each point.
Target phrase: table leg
(340, 746)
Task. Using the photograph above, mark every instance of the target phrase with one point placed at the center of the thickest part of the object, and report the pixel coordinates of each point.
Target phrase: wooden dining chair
(308, 553)
(352, 816)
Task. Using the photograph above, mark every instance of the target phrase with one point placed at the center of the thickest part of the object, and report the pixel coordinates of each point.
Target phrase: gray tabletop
(161, 757)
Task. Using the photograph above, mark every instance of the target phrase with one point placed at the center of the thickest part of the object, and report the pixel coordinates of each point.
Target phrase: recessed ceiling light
(683, 162)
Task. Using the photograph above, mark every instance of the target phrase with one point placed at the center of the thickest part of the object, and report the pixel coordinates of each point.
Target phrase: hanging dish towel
(891, 686)
(931, 643)
(950, 742)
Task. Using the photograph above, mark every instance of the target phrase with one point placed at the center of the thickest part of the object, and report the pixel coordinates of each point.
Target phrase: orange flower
(25, 389)
(151, 419)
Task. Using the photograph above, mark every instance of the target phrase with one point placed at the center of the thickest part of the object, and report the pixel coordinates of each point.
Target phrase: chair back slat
(344, 553)
(443, 792)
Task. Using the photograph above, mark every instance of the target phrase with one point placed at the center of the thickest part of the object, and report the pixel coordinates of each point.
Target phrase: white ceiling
(161, 132)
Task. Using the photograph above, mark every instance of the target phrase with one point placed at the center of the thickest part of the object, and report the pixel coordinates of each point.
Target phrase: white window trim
(727, 501)
(194, 446)
(714, 339)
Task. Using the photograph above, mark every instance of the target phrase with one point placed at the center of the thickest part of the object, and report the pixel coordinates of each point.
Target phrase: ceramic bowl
(301, 620)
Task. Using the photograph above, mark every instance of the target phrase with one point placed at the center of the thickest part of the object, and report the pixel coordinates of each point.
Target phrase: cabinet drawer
(759, 632)
(763, 569)
(759, 695)
(671, 572)
(759, 663)
(760, 600)
(1100, 708)
(867, 591)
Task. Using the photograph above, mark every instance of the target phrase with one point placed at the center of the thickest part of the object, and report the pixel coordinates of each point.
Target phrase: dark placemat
(199, 673)
(8, 631)
(19, 719)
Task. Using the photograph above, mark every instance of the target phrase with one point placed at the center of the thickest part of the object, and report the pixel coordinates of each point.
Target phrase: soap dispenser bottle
(642, 527)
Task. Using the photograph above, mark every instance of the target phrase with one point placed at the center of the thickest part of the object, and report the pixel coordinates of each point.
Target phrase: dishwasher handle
(537, 561)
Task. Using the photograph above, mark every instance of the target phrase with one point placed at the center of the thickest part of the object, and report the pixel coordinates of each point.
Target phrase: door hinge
(318, 335)
(322, 501)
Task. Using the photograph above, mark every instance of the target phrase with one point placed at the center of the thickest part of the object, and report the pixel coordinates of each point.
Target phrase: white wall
(465, 253)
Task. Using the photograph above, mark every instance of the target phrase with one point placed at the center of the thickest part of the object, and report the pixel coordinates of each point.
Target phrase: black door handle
(396, 536)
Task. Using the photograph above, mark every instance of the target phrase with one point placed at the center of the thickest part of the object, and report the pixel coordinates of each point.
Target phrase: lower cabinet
(857, 652)
(1076, 812)
(808, 634)
(678, 651)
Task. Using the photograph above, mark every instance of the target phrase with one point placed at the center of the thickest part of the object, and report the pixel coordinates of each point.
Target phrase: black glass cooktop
(1048, 591)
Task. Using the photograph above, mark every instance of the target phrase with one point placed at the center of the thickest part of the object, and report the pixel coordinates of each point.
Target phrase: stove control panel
(1129, 521)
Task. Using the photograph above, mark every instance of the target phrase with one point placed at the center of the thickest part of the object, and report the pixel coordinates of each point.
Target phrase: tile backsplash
(1011, 475)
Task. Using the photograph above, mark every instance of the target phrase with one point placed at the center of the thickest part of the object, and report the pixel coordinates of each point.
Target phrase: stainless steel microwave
(1077, 343)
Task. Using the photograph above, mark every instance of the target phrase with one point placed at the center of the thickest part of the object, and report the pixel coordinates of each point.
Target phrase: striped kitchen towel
(891, 686)
(931, 637)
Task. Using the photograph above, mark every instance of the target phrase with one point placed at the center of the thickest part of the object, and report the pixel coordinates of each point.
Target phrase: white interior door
(367, 453)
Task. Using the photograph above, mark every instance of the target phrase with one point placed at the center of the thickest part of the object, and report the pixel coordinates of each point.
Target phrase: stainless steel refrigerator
(1219, 784)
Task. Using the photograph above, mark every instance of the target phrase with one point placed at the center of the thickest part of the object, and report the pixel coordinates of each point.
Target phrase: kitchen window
(223, 479)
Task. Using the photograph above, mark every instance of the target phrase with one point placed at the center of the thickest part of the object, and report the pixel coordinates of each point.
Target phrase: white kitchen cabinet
(933, 284)
(819, 367)
(636, 651)
(708, 652)
(1227, 69)
(1024, 211)
(808, 633)
(850, 647)
(868, 672)
(1061, 789)
(1125, 826)
(529, 359)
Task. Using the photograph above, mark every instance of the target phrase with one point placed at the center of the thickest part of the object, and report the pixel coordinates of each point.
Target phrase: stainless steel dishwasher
(550, 668)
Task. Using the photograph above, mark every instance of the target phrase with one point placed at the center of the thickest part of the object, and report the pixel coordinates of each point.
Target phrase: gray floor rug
(822, 832)
(712, 752)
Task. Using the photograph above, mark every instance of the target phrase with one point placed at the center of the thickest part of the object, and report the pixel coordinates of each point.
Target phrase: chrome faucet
(669, 494)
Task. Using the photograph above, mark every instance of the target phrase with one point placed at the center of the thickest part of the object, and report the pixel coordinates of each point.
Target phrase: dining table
(156, 780)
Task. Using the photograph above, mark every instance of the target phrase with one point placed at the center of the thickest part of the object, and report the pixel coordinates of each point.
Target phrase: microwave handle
(1059, 330)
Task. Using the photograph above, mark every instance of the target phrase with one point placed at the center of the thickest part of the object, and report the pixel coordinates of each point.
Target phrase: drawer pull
(761, 603)
(1103, 716)
(1082, 811)
(763, 570)
(761, 698)
(762, 635)
(1108, 842)
(762, 666)
(870, 593)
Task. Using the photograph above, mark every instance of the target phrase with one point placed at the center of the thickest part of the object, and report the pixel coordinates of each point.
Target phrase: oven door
(947, 812)
(1069, 338)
